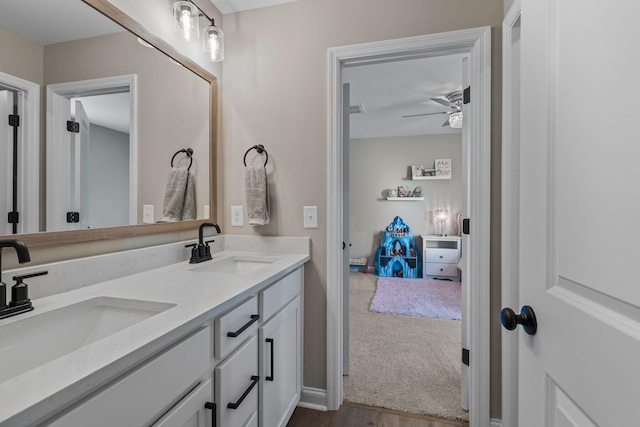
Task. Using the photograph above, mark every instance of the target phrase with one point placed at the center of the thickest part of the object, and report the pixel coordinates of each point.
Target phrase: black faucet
(201, 251)
(20, 302)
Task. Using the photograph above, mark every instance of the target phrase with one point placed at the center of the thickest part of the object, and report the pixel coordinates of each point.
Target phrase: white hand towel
(257, 195)
(174, 195)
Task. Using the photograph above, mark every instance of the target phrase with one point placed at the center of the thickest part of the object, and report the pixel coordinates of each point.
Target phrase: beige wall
(377, 164)
(275, 94)
(21, 57)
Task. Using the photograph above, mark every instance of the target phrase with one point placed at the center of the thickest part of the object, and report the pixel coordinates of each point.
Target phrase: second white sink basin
(237, 264)
(35, 340)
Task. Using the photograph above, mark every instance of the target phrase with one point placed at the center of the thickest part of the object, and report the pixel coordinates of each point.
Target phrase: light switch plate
(310, 216)
(237, 219)
(147, 214)
(206, 214)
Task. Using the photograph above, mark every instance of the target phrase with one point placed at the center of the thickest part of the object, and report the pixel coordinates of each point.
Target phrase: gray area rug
(418, 297)
(405, 363)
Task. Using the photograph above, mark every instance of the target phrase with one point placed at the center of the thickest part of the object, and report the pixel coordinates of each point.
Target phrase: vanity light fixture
(213, 43)
(185, 16)
(185, 20)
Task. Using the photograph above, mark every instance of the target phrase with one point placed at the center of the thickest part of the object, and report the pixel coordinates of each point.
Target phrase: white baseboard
(313, 398)
(495, 422)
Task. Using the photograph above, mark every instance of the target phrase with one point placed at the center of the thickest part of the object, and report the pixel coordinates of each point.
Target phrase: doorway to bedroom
(404, 326)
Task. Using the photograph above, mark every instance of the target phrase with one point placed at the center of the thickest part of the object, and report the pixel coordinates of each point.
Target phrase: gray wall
(377, 164)
(108, 177)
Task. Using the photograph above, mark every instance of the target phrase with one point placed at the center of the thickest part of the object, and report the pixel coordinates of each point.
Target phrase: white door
(81, 187)
(579, 180)
(6, 154)
(59, 154)
(346, 95)
(465, 264)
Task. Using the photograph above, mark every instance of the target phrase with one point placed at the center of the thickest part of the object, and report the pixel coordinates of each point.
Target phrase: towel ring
(260, 149)
(188, 152)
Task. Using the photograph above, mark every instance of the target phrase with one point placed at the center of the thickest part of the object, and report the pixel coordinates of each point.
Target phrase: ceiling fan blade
(444, 102)
(425, 114)
(445, 124)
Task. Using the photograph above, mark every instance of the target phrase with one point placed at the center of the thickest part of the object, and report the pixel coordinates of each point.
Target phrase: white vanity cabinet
(168, 388)
(260, 379)
(243, 369)
(281, 370)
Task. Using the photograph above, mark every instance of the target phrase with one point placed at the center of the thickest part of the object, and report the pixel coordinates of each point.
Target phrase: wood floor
(352, 415)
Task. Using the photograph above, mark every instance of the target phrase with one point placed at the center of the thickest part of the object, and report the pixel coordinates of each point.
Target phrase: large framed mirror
(163, 106)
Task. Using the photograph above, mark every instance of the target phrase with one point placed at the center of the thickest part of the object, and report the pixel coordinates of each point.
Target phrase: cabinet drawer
(279, 294)
(233, 323)
(441, 255)
(438, 269)
(190, 411)
(234, 378)
(144, 394)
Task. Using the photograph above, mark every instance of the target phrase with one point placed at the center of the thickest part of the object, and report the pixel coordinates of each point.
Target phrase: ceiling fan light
(455, 120)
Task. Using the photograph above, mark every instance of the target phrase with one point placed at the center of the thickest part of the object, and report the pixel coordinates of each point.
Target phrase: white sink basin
(237, 264)
(31, 342)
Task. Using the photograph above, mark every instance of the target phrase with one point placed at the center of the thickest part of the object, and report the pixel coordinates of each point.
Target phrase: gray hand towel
(177, 191)
(257, 195)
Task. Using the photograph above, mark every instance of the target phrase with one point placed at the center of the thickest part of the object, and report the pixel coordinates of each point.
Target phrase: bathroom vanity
(215, 343)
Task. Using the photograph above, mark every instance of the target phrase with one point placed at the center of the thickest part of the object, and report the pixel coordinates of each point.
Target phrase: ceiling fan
(454, 102)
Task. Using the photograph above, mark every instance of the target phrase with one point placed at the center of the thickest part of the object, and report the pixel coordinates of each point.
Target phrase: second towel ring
(188, 152)
(260, 149)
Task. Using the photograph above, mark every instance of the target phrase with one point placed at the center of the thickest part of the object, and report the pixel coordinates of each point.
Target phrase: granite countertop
(196, 296)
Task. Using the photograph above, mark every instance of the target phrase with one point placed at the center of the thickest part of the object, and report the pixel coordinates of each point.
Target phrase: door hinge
(466, 95)
(465, 226)
(465, 356)
(73, 217)
(13, 217)
(73, 126)
(14, 120)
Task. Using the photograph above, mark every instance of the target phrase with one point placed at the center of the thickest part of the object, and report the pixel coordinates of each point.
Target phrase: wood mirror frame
(57, 238)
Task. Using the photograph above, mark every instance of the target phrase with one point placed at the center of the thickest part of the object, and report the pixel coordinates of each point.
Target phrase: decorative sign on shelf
(443, 167)
(421, 171)
(405, 191)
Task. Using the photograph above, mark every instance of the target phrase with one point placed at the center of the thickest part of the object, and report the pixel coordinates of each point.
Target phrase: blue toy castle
(397, 255)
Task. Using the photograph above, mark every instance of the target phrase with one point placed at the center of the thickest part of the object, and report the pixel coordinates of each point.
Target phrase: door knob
(527, 318)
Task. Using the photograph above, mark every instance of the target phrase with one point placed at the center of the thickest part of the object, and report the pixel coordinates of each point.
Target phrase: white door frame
(510, 206)
(100, 86)
(29, 152)
(477, 42)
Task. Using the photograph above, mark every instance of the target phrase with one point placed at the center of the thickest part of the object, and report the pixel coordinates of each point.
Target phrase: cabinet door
(236, 392)
(280, 369)
(147, 392)
(190, 411)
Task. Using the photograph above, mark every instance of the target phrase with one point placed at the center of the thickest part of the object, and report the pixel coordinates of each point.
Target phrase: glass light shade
(213, 44)
(455, 120)
(185, 20)
(442, 215)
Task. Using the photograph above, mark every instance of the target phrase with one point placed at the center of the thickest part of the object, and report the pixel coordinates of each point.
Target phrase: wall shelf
(406, 199)
(425, 178)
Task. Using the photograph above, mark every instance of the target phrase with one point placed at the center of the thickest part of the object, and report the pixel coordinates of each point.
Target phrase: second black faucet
(201, 251)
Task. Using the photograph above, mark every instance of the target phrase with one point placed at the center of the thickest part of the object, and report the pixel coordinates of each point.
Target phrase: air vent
(356, 109)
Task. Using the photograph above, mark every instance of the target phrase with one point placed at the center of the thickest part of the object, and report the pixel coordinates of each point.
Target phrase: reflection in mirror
(133, 105)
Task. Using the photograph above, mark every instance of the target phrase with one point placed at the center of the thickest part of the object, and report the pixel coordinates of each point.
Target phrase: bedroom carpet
(417, 297)
(405, 363)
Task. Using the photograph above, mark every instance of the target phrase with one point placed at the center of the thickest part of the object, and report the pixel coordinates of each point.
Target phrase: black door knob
(527, 318)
